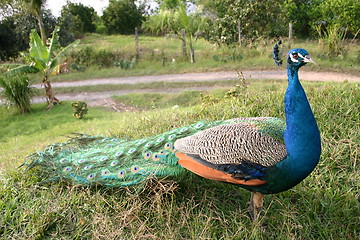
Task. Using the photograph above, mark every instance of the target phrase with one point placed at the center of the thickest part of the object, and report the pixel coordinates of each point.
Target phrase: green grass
(324, 206)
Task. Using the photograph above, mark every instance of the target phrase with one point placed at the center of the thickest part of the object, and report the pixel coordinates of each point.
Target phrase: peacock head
(298, 57)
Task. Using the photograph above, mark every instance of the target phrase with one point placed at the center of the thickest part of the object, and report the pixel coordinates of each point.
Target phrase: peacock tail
(115, 162)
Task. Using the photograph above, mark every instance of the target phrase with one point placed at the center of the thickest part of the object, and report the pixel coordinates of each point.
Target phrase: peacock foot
(255, 205)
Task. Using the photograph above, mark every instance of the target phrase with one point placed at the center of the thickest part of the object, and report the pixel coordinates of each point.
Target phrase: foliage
(124, 64)
(298, 12)
(14, 37)
(342, 13)
(176, 20)
(9, 47)
(78, 19)
(170, 4)
(80, 109)
(122, 17)
(43, 59)
(254, 18)
(40, 57)
(17, 91)
(88, 56)
(332, 41)
(76, 67)
(36, 7)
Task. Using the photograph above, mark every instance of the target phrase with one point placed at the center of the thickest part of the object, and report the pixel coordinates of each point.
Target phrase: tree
(298, 12)
(41, 59)
(14, 37)
(77, 18)
(176, 20)
(35, 6)
(253, 19)
(342, 13)
(193, 24)
(122, 17)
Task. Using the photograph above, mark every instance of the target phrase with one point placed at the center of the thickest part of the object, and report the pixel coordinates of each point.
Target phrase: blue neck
(302, 137)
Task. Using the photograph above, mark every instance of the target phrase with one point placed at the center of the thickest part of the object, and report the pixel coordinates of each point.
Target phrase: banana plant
(42, 59)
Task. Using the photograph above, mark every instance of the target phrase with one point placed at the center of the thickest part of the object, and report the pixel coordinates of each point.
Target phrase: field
(324, 206)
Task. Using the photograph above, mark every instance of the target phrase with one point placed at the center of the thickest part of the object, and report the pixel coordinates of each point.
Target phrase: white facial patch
(293, 58)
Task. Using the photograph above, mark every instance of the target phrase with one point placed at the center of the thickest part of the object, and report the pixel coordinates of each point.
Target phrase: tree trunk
(183, 39)
(51, 99)
(41, 27)
(239, 32)
(192, 54)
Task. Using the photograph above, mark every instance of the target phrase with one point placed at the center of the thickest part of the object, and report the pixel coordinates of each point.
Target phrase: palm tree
(178, 21)
(43, 59)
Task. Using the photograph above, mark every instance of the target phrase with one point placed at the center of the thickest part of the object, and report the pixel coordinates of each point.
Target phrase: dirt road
(101, 98)
(211, 76)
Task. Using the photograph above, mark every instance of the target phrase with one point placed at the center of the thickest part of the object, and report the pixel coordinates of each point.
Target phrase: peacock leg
(256, 204)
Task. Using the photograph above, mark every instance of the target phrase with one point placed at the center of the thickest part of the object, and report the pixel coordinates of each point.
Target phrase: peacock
(264, 155)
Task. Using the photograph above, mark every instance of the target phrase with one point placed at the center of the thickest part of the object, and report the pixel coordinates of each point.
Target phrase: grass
(324, 206)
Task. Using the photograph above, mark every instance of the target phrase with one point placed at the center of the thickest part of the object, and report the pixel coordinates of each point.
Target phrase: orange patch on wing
(210, 173)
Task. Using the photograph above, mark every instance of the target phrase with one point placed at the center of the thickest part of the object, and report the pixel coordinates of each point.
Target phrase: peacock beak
(308, 59)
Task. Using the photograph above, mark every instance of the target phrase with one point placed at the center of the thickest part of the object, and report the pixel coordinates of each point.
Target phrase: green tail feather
(113, 162)
(116, 162)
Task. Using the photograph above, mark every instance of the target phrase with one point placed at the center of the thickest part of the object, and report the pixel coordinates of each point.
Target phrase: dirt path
(211, 76)
(104, 98)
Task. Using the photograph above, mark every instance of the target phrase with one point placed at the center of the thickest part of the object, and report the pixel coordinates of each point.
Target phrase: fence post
(239, 31)
(290, 33)
(137, 43)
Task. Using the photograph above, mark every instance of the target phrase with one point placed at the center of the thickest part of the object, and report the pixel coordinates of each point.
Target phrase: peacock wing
(241, 149)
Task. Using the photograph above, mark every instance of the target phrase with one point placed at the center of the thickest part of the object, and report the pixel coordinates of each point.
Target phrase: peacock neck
(302, 137)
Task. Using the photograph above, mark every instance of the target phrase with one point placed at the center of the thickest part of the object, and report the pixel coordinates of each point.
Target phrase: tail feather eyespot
(121, 174)
(168, 145)
(91, 176)
(135, 169)
(147, 155)
(156, 157)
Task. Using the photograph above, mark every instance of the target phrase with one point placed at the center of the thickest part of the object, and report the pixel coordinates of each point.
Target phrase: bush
(89, 57)
(17, 91)
(80, 109)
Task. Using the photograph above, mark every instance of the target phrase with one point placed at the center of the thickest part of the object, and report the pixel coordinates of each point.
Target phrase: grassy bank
(324, 206)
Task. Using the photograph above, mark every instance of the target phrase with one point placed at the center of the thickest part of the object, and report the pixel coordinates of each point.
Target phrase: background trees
(227, 21)
(78, 19)
(122, 16)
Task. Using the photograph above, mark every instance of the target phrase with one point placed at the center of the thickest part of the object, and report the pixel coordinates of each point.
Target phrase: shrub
(80, 109)
(89, 57)
(17, 91)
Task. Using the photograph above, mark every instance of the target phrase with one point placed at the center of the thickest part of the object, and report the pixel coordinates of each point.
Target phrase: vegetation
(41, 59)
(35, 6)
(80, 109)
(323, 206)
(78, 19)
(17, 91)
(131, 17)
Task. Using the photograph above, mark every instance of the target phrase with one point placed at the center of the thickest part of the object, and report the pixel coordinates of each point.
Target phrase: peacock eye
(295, 55)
